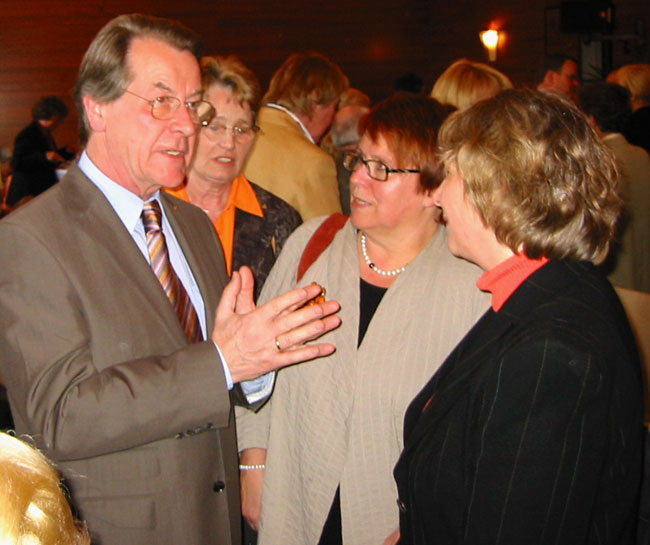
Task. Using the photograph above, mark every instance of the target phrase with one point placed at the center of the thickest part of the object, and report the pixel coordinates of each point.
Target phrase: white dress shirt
(128, 206)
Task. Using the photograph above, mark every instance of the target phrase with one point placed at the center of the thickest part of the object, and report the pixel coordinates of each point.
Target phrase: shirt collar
(295, 118)
(612, 136)
(242, 196)
(505, 278)
(127, 205)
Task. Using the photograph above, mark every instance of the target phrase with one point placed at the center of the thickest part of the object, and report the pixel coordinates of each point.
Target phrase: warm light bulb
(490, 38)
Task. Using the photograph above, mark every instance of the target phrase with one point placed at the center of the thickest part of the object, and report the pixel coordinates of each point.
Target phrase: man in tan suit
(98, 367)
(299, 108)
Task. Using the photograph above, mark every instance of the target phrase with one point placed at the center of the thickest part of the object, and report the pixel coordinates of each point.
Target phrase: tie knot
(151, 216)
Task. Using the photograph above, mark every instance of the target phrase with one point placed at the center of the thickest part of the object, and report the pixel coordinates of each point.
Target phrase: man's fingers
(311, 314)
(274, 359)
(302, 353)
(291, 300)
(295, 337)
(228, 301)
(245, 299)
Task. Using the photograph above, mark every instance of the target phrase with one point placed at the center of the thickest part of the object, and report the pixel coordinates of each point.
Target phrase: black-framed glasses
(241, 133)
(164, 107)
(375, 169)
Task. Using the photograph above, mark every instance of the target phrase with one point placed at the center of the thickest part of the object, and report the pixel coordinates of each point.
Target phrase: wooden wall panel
(374, 41)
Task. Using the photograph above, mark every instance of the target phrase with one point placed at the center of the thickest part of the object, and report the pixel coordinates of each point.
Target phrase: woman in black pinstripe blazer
(531, 430)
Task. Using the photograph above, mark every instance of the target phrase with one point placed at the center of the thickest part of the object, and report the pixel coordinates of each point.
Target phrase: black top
(32, 171)
(370, 297)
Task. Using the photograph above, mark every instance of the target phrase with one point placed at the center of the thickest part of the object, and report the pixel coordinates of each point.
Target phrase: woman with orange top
(252, 223)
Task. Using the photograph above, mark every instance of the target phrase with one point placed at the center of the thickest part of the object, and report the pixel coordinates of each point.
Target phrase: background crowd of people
(247, 317)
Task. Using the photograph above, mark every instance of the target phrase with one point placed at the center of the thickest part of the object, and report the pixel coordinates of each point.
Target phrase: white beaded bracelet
(244, 467)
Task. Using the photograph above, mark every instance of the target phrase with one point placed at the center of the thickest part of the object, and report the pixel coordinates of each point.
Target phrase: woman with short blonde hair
(531, 430)
(636, 79)
(34, 508)
(465, 82)
(233, 74)
(504, 150)
(252, 223)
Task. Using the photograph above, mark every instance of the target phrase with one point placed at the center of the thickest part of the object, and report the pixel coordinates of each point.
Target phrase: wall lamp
(490, 40)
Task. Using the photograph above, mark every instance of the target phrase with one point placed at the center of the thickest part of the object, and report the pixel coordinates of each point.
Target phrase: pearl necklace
(366, 257)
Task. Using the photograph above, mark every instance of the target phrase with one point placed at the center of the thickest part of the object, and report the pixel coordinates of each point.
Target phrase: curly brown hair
(537, 173)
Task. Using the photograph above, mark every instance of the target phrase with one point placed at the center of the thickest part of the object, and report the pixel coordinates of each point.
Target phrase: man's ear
(549, 79)
(553, 76)
(95, 113)
(313, 100)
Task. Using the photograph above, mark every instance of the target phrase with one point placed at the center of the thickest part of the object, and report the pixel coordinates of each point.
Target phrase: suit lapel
(282, 119)
(124, 265)
(101, 224)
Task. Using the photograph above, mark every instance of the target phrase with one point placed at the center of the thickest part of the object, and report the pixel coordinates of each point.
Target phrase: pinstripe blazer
(532, 433)
(338, 420)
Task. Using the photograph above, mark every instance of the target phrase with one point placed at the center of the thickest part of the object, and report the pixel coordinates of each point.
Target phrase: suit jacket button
(219, 486)
(401, 505)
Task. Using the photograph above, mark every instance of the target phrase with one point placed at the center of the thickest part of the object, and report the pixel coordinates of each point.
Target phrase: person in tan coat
(299, 108)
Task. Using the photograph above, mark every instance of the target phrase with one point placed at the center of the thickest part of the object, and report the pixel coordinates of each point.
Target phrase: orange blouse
(241, 196)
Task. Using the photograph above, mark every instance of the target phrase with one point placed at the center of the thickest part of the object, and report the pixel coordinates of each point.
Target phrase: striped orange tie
(162, 268)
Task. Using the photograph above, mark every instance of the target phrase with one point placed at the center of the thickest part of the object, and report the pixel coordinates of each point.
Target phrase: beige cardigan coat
(339, 419)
